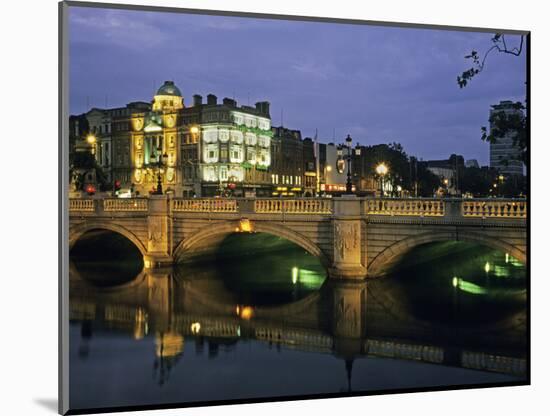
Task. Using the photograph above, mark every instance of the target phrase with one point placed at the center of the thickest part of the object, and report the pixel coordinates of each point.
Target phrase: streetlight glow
(382, 169)
(194, 130)
(91, 139)
(195, 327)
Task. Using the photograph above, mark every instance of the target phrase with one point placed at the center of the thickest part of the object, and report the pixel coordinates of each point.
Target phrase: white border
(29, 208)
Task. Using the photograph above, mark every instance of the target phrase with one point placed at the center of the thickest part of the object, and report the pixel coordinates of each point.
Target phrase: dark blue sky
(378, 84)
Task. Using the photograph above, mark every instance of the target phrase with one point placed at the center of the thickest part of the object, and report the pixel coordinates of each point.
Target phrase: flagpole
(316, 148)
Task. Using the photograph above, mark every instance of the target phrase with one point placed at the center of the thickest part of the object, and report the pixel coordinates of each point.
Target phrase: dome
(169, 88)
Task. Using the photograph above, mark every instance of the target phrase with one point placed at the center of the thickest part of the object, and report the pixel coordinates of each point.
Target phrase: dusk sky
(376, 83)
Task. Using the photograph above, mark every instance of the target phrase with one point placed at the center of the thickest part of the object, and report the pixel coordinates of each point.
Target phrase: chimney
(229, 102)
(197, 100)
(263, 107)
(211, 99)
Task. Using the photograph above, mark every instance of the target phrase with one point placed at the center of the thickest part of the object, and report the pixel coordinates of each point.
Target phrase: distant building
(310, 167)
(504, 155)
(472, 163)
(332, 170)
(447, 170)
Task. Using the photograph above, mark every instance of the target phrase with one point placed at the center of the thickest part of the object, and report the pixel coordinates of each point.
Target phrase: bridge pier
(159, 231)
(347, 239)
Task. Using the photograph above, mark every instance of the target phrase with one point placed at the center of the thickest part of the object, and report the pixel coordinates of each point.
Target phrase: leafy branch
(499, 45)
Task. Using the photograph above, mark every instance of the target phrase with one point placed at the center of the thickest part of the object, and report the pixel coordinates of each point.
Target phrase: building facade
(448, 171)
(505, 156)
(287, 170)
(199, 150)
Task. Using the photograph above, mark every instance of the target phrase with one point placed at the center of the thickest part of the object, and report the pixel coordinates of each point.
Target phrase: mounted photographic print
(262, 207)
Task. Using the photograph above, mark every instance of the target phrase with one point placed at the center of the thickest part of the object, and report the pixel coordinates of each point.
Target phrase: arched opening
(456, 282)
(205, 242)
(105, 257)
(257, 269)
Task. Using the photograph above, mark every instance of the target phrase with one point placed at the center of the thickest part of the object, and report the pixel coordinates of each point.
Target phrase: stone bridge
(353, 237)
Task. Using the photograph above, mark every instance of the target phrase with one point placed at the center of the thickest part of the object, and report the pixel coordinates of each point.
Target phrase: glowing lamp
(195, 327)
(381, 169)
(246, 312)
(245, 226)
(90, 189)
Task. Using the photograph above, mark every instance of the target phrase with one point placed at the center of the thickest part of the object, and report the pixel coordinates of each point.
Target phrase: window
(223, 154)
(223, 173)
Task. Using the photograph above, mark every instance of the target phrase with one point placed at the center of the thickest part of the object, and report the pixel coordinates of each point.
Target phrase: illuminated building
(207, 146)
(235, 147)
(112, 149)
(332, 170)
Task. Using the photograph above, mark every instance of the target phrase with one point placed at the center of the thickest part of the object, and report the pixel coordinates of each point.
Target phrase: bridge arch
(220, 231)
(389, 256)
(77, 231)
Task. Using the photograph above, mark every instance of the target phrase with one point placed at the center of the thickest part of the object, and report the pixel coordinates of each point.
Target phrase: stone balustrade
(205, 205)
(406, 207)
(449, 208)
(125, 204)
(85, 205)
(482, 209)
(404, 351)
(494, 209)
(293, 206)
(490, 362)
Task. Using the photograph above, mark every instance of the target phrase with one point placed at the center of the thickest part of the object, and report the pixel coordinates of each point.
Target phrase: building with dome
(206, 148)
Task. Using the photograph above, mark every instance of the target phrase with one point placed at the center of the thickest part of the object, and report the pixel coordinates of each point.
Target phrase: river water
(261, 320)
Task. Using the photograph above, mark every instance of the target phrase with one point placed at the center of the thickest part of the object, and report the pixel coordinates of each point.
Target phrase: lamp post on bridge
(159, 164)
(348, 157)
(382, 171)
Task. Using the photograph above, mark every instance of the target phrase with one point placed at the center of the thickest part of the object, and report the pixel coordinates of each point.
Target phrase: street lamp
(91, 140)
(500, 183)
(382, 170)
(347, 144)
(159, 164)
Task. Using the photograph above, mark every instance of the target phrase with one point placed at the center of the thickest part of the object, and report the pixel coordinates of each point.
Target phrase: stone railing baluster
(494, 209)
(125, 204)
(82, 205)
(405, 207)
(205, 205)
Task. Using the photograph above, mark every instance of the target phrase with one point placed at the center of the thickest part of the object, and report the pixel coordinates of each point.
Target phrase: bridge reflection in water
(187, 334)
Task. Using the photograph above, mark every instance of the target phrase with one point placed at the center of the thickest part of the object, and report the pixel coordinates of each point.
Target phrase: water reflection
(459, 283)
(211, 332)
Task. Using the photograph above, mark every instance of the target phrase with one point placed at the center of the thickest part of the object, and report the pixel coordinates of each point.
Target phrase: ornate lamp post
(382, 171)
(159, 164)
(348, 156)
